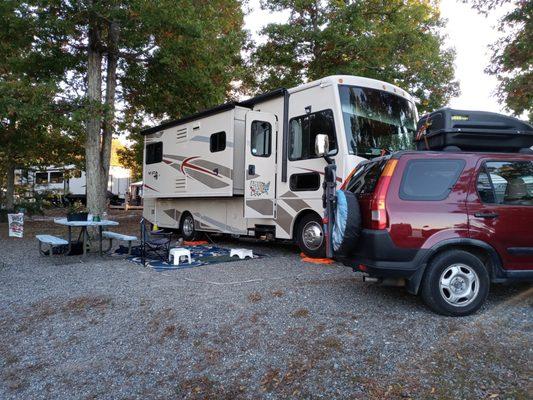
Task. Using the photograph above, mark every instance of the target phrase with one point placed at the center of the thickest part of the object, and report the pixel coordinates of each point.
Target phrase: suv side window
(506, 182)
(430, 180)
(365, 180)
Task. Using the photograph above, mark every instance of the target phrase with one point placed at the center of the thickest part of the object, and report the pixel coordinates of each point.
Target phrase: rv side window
(56, 177)
(303, 131)
(154, 153)
(217, 142)
(305, 182)
(41, 178)
(261, 139)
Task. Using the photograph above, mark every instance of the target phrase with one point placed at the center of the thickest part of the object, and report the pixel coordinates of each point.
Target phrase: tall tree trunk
(109, 116)
(10, 189)
(96, 198)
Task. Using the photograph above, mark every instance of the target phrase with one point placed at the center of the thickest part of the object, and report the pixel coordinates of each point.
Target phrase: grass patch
(300, 313)
(254, 297)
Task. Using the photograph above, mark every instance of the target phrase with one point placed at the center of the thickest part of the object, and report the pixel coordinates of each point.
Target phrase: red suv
(448, 223)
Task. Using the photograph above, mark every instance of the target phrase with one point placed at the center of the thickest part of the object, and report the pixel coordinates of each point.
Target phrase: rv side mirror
(321, 145)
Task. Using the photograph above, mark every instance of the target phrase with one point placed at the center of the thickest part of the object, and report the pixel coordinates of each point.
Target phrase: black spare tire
(347, 224)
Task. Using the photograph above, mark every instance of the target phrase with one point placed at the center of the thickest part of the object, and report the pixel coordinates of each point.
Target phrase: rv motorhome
(250, 167)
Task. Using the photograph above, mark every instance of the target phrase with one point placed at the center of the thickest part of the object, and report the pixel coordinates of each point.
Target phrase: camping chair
(154, 242)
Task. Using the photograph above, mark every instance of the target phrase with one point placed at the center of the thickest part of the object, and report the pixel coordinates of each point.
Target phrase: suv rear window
(365, 180)
(430, 180)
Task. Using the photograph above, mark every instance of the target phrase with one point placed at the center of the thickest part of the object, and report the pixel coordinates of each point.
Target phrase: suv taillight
(378, 205)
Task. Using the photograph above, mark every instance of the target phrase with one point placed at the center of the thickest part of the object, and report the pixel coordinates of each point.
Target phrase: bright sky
(467, 31)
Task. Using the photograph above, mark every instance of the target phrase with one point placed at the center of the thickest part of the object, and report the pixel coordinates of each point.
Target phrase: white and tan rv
(250, 167)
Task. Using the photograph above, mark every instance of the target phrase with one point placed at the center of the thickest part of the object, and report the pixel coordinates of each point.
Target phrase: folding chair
(154, 242)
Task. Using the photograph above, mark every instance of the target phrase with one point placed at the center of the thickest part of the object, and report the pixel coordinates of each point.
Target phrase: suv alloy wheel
(456, 283)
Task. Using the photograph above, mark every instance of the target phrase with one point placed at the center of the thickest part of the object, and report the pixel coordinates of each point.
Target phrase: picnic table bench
(52, 241)
(118, 236)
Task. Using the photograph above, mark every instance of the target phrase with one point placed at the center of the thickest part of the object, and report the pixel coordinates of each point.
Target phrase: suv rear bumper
(376, 254)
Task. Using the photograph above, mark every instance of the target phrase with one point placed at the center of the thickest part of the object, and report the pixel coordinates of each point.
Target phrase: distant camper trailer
(250, 168)
(69, 182)
(134, 200)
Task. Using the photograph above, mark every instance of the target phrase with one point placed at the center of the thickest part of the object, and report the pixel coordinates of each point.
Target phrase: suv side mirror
(321, 145)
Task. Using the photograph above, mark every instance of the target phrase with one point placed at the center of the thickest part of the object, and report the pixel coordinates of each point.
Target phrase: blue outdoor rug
(201, 255)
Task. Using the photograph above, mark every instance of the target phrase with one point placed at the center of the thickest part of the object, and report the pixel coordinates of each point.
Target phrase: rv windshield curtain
(375, 120)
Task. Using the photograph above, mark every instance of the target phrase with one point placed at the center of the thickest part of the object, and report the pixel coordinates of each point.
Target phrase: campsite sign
(16, 225)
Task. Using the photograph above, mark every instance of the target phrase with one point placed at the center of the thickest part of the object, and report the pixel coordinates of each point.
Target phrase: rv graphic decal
(262, 206)
(203, 171)
(216, 225)
(258, 188)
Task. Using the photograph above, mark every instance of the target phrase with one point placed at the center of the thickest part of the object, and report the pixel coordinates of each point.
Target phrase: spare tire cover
(347, 224)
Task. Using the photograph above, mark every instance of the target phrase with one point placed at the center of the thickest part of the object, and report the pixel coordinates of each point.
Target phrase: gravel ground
(73, 328)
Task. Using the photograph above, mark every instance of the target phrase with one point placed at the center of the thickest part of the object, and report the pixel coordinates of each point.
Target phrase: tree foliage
(393, 40)
(132, 157)
(34, 123)
(512, 55)
(124, 62)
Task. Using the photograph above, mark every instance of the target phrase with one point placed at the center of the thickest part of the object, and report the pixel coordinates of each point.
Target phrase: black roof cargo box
(472, 131)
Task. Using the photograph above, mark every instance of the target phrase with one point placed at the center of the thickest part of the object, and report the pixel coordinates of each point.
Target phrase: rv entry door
(260, 164)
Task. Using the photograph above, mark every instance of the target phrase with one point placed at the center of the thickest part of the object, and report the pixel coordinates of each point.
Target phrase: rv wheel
(310, 236)
(187, 227)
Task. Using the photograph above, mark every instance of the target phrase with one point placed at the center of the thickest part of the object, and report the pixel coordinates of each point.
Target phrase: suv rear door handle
(486, 215)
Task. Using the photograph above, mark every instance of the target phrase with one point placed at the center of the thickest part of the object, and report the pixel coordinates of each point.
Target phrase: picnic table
(83, 225)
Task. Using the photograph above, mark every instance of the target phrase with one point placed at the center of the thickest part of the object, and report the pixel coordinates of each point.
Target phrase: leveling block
(200, 254)
(316, 260)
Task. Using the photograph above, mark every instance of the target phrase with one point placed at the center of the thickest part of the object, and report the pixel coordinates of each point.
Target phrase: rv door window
(154, 153)
(303, 131)
(217, 142)
(56, 177)
(41, 178)
(261, 139)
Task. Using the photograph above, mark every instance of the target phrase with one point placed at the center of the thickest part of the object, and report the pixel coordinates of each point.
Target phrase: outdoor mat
(200, 255)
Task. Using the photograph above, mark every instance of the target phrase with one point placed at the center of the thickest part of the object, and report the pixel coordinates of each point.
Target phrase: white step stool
(241, 253)
(177, 253)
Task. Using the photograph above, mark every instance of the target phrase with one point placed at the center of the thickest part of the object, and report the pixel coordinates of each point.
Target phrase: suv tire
(310, 236)
(456, 283)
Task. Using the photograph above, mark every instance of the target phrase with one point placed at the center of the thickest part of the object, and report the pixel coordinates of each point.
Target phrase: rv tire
(310, 236)
(187, 229)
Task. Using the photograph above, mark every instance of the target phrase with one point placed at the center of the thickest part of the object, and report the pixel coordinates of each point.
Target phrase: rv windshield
(375, 120)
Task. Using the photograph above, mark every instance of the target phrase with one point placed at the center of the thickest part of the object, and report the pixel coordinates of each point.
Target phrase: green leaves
(512, 58)
(174, 57)
(395, 41)
(195, 57)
